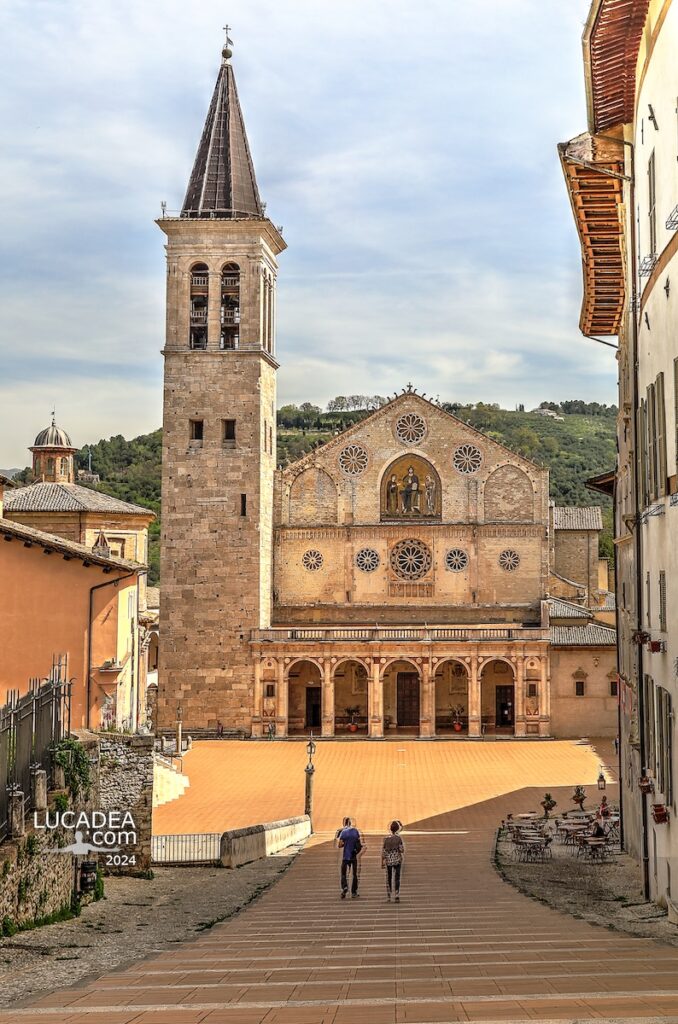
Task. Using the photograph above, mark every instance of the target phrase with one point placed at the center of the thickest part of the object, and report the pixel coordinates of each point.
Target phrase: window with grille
(614, 687)
(662, 601)
(531, 689)
(579, 688)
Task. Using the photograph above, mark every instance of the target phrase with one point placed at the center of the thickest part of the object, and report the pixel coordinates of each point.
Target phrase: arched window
(64, 466)
(230, 306)
(50, 466)
(199, 300)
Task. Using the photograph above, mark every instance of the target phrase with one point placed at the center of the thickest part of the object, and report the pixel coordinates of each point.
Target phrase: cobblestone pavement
(461, 946)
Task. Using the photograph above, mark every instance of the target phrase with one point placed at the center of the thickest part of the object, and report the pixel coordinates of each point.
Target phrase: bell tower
(219, 428)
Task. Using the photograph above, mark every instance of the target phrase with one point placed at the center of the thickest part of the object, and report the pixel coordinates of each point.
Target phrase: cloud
(409, 152)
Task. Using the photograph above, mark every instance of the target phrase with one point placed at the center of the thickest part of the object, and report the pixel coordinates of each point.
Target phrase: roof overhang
(604, 483)
(611, 42)
(594, 174)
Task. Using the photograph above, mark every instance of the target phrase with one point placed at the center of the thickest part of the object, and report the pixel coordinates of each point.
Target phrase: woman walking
(392, 856)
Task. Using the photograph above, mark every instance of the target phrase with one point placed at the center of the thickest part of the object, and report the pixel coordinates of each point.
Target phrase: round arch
(451, 695)
(351, 657)
(351, 679)
(304, 695)
(401, 683)
(497, 694)
(402, 661)
(410, 489)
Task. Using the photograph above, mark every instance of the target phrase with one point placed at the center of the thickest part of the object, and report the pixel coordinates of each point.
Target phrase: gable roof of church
(406, 395)
(51, 497)
(222, 182)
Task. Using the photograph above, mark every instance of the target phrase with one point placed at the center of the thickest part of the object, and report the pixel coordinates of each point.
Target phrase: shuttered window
(652, 204)
(651, 435)
(641, 452)
(660, 426)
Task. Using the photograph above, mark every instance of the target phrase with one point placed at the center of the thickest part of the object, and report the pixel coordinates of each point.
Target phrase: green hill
(574, 448)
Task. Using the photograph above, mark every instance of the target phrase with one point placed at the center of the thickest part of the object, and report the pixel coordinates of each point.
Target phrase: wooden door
(313, 707)
(504, 706)
(408, 698)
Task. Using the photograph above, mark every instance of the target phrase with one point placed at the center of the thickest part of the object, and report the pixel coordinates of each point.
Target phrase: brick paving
(461, 946)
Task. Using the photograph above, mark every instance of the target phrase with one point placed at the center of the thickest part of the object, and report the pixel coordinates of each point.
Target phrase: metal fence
(31, 725)
(203, 848)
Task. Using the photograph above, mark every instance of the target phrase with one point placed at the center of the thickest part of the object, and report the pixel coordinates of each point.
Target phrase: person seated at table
(597, 830)
(604, 810)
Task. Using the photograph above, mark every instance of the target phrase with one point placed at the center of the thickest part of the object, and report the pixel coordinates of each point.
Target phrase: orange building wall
(44, 611)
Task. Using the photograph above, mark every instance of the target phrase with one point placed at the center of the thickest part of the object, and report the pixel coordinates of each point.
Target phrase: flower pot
(457, 726)
(352, 727)
(660, 814)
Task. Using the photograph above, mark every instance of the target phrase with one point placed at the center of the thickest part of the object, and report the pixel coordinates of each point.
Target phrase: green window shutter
(661, 436)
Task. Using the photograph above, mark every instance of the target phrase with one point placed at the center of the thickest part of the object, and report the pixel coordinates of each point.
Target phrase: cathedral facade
(395, 578)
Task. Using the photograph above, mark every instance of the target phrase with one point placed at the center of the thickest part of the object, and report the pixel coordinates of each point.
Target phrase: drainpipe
(109, 583)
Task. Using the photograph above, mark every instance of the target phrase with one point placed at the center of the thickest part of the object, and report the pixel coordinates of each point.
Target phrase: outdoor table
(595, 847)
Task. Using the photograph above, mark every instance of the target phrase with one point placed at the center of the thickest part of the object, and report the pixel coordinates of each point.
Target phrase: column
(544, 698)
(474, 703)
(327, 707)
(282, 703)
(376, 701)
(427, 711)
(519, 728)
(257, 724)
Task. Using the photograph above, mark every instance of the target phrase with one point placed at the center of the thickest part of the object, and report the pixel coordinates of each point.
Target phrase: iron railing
(31, 726)
(201, 848)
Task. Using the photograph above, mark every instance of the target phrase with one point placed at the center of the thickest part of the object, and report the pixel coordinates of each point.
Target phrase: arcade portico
(421, 680)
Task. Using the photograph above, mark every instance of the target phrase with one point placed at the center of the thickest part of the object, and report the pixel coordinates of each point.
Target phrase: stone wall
(594, 714)
(36, 880)
(576, 558)
(122, 769)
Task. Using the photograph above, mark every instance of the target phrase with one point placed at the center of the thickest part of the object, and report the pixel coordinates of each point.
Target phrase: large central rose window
(410, 559)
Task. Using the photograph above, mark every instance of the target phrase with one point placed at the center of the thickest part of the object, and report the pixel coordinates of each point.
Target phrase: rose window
(509, 560)
(410, 428)
(467, 458)
(353, 459)
(367, 559)
(456, 560)
(410, 559)
(312, 560)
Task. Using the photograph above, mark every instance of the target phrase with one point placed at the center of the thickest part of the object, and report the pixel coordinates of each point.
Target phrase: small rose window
(410, 428)
(509, 560)
(312, 560)
(456, 560)
(367, 560)
(467, 459)
(353, 459)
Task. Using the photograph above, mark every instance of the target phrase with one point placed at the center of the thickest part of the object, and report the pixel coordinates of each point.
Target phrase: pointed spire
(223, 183)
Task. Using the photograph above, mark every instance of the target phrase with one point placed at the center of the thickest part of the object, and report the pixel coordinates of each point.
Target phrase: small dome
(52, 437)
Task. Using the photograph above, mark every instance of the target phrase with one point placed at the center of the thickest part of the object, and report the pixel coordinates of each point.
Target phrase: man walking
(350, 843)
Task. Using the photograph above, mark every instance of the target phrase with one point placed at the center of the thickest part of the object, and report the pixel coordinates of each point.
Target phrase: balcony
(198, 316)
(230, 316)
(199, 281)
(389, 634)
(230, 282)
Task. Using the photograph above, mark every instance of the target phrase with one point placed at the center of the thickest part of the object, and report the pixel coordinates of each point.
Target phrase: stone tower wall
(216, 553)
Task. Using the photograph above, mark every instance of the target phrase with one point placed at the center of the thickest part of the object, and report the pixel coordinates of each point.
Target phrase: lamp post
(309, 772)
(179, 717)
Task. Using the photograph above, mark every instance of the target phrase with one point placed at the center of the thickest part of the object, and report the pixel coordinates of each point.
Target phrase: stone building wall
(576, 557)
(595, 713)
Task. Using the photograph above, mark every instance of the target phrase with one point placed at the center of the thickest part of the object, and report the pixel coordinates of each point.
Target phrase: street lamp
(602, 784)
(309, 772)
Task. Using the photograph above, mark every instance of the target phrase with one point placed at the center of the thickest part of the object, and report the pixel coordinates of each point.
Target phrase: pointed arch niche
(410, 490)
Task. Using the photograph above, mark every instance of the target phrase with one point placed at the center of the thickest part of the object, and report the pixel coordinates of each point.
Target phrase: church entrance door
(313, 698)
(408, 698)
(504, 706)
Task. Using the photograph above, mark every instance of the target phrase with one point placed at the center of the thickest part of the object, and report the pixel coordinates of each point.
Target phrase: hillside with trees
(575, 440)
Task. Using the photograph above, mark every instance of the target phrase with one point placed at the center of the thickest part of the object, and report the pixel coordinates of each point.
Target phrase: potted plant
(645, 784)
(456, 712)
(660, 814)
(548, 803)
(579, 796)
(352, 711)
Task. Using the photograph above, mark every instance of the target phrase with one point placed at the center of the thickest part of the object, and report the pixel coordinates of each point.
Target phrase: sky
(407, 149)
